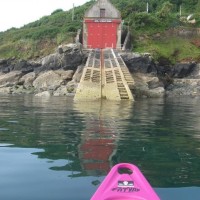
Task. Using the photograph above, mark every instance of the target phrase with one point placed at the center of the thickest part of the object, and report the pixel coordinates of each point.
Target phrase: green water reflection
(78, 142)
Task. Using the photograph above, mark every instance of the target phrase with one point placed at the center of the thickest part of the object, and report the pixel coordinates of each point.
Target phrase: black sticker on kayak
(125, 183)
(125, 189)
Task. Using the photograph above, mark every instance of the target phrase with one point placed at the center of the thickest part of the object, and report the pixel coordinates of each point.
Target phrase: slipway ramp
(105, 76)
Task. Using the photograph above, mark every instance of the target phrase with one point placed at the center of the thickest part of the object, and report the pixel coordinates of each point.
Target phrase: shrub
(145, 23)
(166, 10)
(57, 11)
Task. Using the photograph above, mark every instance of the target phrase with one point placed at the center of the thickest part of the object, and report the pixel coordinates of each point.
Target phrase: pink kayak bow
(125, 182)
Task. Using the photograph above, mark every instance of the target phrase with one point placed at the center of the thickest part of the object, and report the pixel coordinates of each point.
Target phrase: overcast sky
(16, 13)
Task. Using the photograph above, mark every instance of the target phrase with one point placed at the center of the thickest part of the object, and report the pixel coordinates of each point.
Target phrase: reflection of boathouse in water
(96, 152)
(101, 135)
(102, 26)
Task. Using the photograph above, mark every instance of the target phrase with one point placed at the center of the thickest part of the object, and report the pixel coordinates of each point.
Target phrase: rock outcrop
(67, 57)
(10, 79)
(139, 63)
(187, 85)
(47, 76)
(144, 72)
(162, 79)
(27, 80)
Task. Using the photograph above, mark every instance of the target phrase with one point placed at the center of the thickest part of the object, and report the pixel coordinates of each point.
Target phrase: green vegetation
(151, 30)
(171, 48)
(40, 38)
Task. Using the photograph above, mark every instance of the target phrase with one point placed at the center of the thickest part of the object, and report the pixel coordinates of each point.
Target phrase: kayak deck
(125, 182)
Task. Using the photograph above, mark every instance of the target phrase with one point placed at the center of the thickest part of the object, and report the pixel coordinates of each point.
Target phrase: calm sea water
(56, 149)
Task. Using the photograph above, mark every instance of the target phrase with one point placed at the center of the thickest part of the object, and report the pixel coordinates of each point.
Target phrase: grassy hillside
(40, 38)
(150, 30)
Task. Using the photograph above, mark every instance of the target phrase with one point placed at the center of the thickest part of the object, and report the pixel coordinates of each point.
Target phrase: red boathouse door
(102, 34)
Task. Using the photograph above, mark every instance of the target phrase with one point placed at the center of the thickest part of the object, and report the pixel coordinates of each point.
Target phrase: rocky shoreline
(58, 74)
(161, 79)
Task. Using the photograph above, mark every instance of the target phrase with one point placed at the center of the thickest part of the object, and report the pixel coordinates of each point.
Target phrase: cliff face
(59, 74)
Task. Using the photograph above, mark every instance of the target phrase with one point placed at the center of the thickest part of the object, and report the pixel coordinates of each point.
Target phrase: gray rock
(23, 66)
(72, 86)
(52, 62)
(61, 91)
(156, 92)
(61, 61)
(147, 85)
(163, 70)
(5, 90)
(66, 90)
(8, 65)
(3, 61)
(19, 89)
(65, 75)
(43, 94)
(10, 79)
(195, 72)
(27, 80)
(184, 87)
(182, 70)
(139, 63)
(72, 60)
(155, 83)
(67, 57)
(77, 75)
(47, 81)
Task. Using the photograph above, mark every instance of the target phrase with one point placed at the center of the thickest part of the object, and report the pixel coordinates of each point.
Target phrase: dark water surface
(55, 149)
